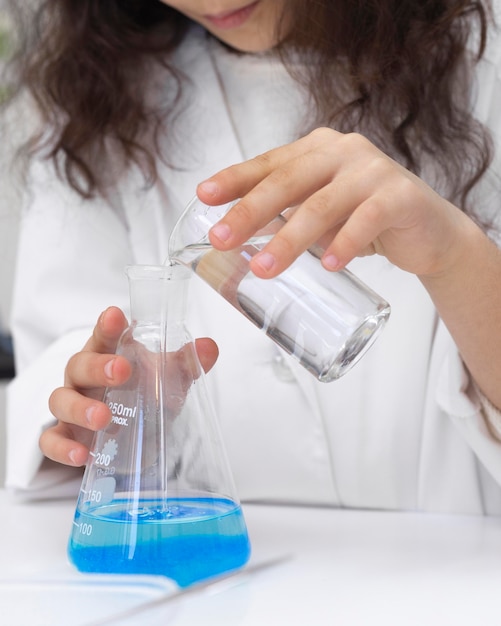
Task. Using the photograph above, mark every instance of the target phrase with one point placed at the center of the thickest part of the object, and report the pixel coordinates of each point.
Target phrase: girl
(379, 122)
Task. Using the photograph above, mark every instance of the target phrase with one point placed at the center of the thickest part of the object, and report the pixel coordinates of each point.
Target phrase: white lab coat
(402, 430)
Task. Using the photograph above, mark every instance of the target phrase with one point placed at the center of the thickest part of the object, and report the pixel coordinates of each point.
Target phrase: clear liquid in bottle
(325, 329)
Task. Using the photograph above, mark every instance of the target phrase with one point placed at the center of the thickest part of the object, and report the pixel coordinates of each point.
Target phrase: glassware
(157, 496)
(326, 320)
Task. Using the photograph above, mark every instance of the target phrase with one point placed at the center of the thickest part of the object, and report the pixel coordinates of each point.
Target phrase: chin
(250, 44)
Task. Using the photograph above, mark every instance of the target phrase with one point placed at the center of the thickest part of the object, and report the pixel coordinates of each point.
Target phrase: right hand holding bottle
(77, 405)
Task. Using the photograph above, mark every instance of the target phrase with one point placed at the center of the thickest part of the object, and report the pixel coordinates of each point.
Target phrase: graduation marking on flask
(121, 413)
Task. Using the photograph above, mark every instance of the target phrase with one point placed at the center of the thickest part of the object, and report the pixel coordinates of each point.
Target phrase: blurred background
(9, 221)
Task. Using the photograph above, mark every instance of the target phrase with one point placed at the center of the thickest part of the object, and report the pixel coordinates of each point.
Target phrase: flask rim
(172, 271)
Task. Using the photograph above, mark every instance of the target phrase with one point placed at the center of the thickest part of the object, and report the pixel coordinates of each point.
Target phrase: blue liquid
(185, 539)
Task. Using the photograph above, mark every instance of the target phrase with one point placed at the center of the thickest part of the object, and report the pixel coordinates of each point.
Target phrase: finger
(323, 213)
(88, 370)
(287, 176)
(360, 233)
(183, 368)
(71, 407)
(58, 444)
(315, 222)
(335, 190)
(236, 180)
(110, 325)
(286, 186)
(207, 351)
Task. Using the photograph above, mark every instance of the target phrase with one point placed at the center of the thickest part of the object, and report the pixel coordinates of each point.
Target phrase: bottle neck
(158, 294)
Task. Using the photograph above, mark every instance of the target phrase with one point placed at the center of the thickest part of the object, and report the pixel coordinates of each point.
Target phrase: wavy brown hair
(396, 70)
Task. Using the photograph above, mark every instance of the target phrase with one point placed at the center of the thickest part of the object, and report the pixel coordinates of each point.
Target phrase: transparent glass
(157, 496)
(326, 320)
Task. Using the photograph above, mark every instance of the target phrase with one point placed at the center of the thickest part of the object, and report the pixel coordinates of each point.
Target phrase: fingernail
(221, 232)
(108, 369)
(330, 262)
(72, 455)
(265, 260)
(209, 187)
(89, 414)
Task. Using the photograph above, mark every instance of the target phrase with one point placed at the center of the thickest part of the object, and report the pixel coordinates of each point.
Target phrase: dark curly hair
(397, 70)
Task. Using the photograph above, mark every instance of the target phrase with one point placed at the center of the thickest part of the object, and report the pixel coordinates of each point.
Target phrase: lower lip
(234, 19)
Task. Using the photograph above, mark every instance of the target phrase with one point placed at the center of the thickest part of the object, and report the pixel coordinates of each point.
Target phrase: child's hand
(77, 405)
(347, 196)
(353, 200)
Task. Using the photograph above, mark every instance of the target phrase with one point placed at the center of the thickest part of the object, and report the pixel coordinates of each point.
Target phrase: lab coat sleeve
(70, 267)
(459, 397)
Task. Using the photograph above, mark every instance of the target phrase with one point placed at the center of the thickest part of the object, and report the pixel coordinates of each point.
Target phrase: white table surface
(340, 567)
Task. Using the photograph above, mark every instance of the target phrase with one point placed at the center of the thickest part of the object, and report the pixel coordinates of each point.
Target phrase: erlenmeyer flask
(157, 496)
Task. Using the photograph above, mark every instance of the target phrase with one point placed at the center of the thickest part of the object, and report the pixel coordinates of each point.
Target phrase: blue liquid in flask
(185, 539)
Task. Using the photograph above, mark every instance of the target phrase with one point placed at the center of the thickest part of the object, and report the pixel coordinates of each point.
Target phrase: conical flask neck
(157, 294)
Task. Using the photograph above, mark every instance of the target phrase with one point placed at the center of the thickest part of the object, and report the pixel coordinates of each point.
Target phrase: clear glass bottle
(157, 496)
(325, 320)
